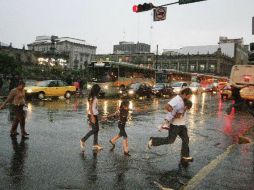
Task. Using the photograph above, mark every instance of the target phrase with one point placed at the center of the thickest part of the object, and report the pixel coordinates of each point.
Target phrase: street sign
(159, 13)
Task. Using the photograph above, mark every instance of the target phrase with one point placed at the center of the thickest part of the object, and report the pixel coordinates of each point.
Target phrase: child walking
(92, 118)
(123, 113)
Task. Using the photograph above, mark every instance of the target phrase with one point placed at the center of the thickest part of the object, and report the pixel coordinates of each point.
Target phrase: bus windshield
(161, 78)
(103, 74)
(177, 84)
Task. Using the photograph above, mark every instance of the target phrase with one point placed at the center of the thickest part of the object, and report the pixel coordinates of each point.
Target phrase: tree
(9, 66)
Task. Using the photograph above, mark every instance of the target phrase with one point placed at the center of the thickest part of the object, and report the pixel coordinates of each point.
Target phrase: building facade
(214, 64)
(79, 53)
(130, 48)
(233, 48)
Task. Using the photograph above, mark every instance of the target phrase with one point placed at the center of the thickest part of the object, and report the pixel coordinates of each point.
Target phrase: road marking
(161, 187)
(207, 169)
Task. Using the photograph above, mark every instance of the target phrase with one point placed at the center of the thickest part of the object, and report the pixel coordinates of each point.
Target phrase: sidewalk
(234, 169)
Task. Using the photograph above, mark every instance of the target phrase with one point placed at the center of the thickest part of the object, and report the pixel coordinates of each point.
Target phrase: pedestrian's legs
(14, 127)
(96, 131)
(15, 121)
(125, 145)
(115, 138)
(185, 151)
(22, 123)
(172, 134)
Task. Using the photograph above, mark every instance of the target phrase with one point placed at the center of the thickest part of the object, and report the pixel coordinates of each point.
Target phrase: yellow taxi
(247, 93)
(50, 88)
(226, 92)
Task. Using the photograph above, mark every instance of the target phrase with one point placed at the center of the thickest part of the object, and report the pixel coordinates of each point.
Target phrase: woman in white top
(93, 118)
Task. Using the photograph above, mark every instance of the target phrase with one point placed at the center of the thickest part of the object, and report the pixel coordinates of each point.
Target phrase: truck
(242, 77)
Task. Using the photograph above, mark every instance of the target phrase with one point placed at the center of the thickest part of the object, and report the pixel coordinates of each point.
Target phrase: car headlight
(131, 92)
(89, 86)
(106, 87)
(29, 91)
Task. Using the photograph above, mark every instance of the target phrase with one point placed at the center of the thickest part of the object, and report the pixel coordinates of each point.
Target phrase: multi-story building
(79, 53)
(130, 47)
(212, 59)
(216, 63)
(3, 44)
(233, 48)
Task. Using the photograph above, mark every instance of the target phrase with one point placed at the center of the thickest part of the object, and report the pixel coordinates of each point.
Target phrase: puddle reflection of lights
(131, 105)
(193, 99)
(105, 107)
(203, 102)
(29, 111)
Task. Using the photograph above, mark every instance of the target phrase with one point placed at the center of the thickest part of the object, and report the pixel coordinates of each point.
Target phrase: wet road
(51, 157)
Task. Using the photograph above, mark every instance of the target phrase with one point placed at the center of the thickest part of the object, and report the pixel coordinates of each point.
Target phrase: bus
(169, 76)
(242, 76)
(112, 76)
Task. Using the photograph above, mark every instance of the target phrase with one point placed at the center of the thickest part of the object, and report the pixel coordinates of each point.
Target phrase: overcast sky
(104, 23)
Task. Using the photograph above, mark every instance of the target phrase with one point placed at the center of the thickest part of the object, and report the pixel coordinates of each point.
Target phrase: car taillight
(247, 78)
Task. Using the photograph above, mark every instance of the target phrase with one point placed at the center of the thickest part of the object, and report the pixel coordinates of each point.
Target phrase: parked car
(226, 92)
(196, 88)
(50, 88)
(137, 90)
(178, 86)
(162, 90)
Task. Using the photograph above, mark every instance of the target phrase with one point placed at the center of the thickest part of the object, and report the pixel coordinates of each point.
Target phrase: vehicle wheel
(67, 95)
(41, 95)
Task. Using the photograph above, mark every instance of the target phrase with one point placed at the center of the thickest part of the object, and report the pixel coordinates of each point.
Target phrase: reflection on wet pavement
(54, 159)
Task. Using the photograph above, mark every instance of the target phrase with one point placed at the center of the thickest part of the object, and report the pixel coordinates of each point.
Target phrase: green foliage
(9, 66)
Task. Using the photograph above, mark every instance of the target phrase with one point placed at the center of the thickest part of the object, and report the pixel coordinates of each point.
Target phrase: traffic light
(251, 54)
(142, 8)
(252, 46)
(181, 2)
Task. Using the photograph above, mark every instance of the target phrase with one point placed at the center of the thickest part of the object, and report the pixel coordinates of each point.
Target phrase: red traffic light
(135, 8)
(142, 7)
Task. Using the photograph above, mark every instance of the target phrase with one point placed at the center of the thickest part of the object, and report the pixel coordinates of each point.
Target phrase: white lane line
(161, 187)
(207, 169)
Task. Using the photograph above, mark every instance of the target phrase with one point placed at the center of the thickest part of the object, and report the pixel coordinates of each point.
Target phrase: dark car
(136, 90)
(162, 90)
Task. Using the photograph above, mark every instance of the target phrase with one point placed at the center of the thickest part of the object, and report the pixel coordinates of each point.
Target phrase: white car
(178, 86)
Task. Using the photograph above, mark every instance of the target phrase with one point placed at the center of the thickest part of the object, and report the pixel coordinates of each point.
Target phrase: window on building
(212, 68)
(202, 67)
(192, 68)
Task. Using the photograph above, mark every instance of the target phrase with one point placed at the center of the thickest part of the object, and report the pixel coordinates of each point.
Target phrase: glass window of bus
(177, 84)
(103, 74)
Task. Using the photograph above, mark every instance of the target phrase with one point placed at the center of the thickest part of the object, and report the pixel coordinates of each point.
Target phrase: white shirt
(181, 120)
(94, 107)
(177, 104)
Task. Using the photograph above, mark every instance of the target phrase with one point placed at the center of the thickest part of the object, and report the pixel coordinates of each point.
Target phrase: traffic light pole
(169, 4)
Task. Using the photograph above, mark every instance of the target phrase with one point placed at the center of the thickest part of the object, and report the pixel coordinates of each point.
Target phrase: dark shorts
(122, 132)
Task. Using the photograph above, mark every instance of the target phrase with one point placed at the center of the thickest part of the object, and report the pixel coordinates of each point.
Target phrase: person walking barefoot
(92, 118)
(123, 113)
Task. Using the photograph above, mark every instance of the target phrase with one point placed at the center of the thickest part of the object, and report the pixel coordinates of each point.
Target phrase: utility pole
(156, 58)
